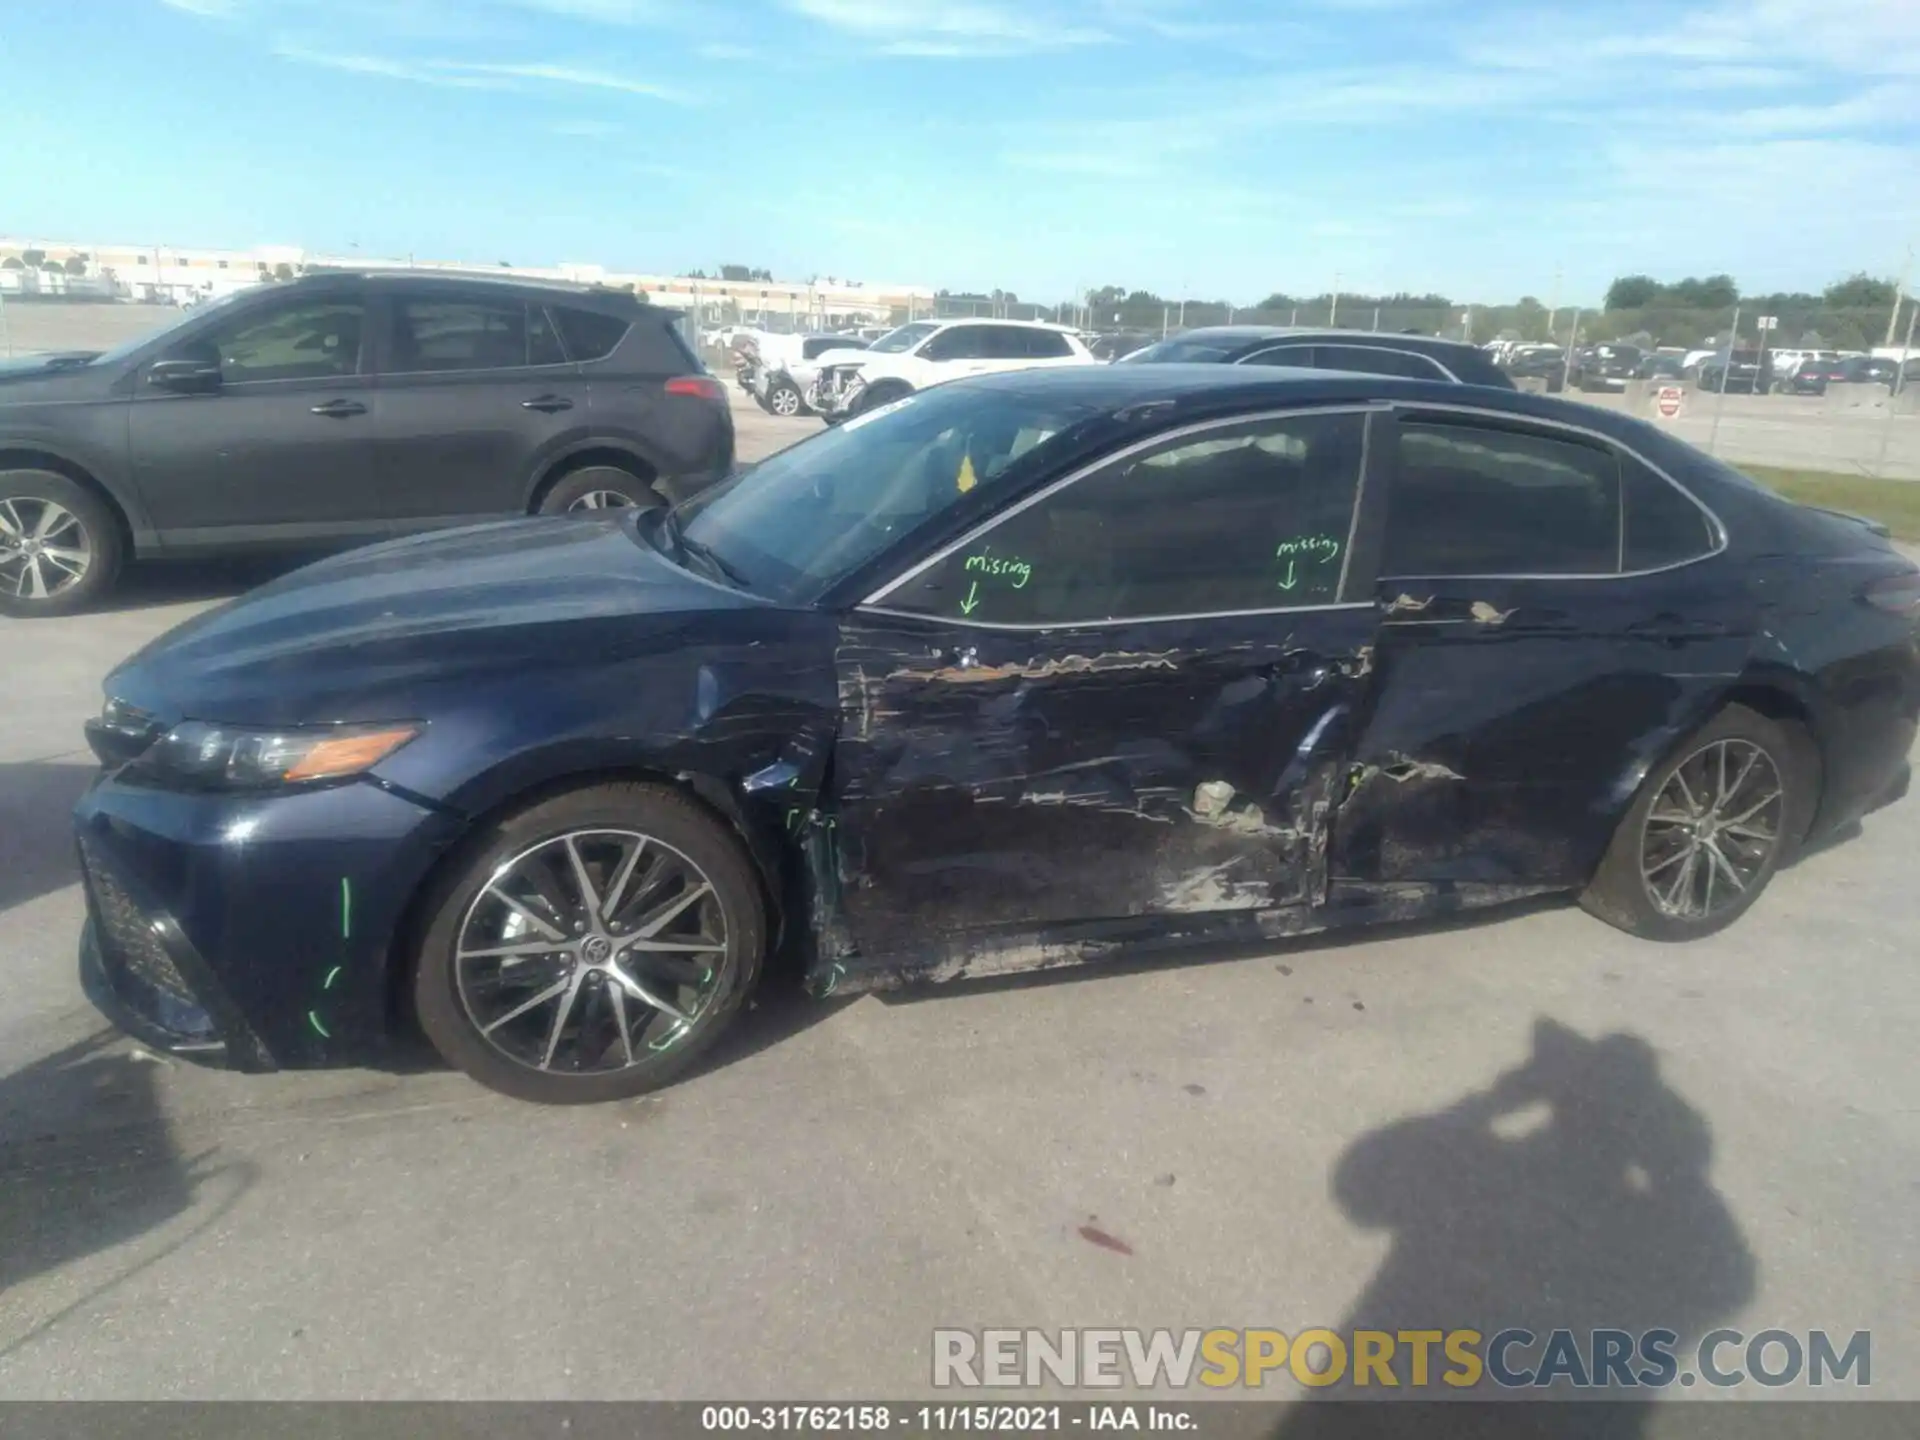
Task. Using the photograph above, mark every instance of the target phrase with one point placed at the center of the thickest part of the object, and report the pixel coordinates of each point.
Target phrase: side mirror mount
(185, 375)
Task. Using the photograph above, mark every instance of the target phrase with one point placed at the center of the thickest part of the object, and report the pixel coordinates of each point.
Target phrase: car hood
(354, 637)
(63, 376)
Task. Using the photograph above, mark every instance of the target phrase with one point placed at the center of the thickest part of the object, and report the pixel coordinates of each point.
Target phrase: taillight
(699, 387)
(1897, 594)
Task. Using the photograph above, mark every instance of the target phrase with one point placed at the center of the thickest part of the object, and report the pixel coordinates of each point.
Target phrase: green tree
(283, 271)
(31, 258)
(1860, 291)
(12, 262)
(1631, 292)
(1716, 292)
(76, 265)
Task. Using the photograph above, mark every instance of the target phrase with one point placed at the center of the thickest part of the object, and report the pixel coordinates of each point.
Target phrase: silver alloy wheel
(602, 500)
(44, 548)
(1712, 829)
(785, 400)
(591, 952)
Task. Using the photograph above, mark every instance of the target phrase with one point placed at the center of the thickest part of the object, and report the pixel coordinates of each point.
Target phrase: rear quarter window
(1663, 526)
(589, 335)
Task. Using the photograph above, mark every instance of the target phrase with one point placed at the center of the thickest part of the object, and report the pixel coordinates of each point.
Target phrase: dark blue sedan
(1022, 671)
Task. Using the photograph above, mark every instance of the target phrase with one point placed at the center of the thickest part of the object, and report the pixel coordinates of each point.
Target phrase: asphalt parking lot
(1716, 1135)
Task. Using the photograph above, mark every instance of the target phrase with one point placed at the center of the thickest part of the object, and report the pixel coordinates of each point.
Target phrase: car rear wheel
(1708, 830)
(60, 547)
(784, 400)
(599, 487)
(591, 947)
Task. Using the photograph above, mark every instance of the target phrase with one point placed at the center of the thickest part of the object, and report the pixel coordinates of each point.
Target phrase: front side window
(1299, 356)
(903, 339)
(435, 335)
(1180, 352)
(1474, 500)
(1248, 517)
(316, 341)
(959, 342)
(809, 516)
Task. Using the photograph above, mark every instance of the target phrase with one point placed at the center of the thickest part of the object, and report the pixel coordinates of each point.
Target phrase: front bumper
(249, 931)
(835, 393)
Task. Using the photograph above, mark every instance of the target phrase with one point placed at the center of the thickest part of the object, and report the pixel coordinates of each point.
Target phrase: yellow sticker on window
(966, 480)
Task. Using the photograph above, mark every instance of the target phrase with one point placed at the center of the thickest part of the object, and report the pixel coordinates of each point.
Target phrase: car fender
(560, 452)
(106, 469)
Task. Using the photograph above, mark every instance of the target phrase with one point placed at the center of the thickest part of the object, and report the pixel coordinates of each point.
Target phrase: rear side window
(436, 335)
(1664, 527)
(1365, 360)
(1248, 517)
(1469, 500)
(1047, 344)
(589, 334)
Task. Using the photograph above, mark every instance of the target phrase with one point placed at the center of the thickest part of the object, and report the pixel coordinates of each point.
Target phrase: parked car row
(343, 408)
(1611, 365)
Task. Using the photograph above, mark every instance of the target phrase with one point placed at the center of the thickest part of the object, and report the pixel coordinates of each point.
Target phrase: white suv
(927, 352)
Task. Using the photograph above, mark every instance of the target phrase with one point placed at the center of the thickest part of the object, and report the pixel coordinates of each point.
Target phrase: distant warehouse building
(172, 273)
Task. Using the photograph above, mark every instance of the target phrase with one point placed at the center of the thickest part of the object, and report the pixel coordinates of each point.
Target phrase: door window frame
(388, 319)
(1542, 429)
(1372, 413)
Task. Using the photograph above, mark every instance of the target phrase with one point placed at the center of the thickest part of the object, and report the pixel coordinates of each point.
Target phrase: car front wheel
(599, 487)
(1708, 829)
(591, 947)
(784, 400)
(60, 547)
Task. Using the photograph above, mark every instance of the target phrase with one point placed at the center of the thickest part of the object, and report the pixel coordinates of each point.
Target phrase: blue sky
(1214, 148)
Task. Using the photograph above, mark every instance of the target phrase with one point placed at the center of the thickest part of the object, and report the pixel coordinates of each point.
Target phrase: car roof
(989, 320)
(602, 296)
(1258, 334)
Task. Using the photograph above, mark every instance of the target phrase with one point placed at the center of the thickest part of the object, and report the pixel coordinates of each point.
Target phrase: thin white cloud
(563, 75)
(207, 9)
(387, 68)
(950, 28)
(479, 74)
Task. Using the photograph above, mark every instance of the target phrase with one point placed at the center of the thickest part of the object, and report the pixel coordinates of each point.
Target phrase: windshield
(905, 338)
(810, 515)
(1176, 351)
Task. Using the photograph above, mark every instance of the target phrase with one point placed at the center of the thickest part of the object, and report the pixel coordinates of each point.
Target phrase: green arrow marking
(972, 602)
(1289, 582)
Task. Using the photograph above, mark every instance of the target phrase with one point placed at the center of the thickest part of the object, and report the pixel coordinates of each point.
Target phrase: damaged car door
(1552, 622)
(1121, 699)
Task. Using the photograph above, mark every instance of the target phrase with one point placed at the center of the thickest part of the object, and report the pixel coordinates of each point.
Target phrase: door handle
(340, 409)
(547, 404)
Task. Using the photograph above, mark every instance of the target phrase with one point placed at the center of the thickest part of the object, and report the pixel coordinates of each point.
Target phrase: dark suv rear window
(589, 334)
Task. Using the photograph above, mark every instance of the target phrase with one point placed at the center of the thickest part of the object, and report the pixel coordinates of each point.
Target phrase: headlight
(223, 757)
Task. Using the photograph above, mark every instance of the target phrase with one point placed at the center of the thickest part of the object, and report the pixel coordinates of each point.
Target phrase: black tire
(1621, 890)
(579, 489)
(36, 569)
(674, 826)
(885, 393)
(784, 393)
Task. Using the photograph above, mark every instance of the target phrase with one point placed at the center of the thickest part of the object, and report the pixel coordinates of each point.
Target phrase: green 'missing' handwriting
(1321, 549)
(1012, 569)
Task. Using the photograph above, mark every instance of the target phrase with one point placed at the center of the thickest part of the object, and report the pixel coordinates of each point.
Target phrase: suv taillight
(699, 387)
(1897, 594)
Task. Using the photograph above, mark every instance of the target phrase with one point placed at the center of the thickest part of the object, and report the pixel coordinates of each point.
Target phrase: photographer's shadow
(1571, 1194)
